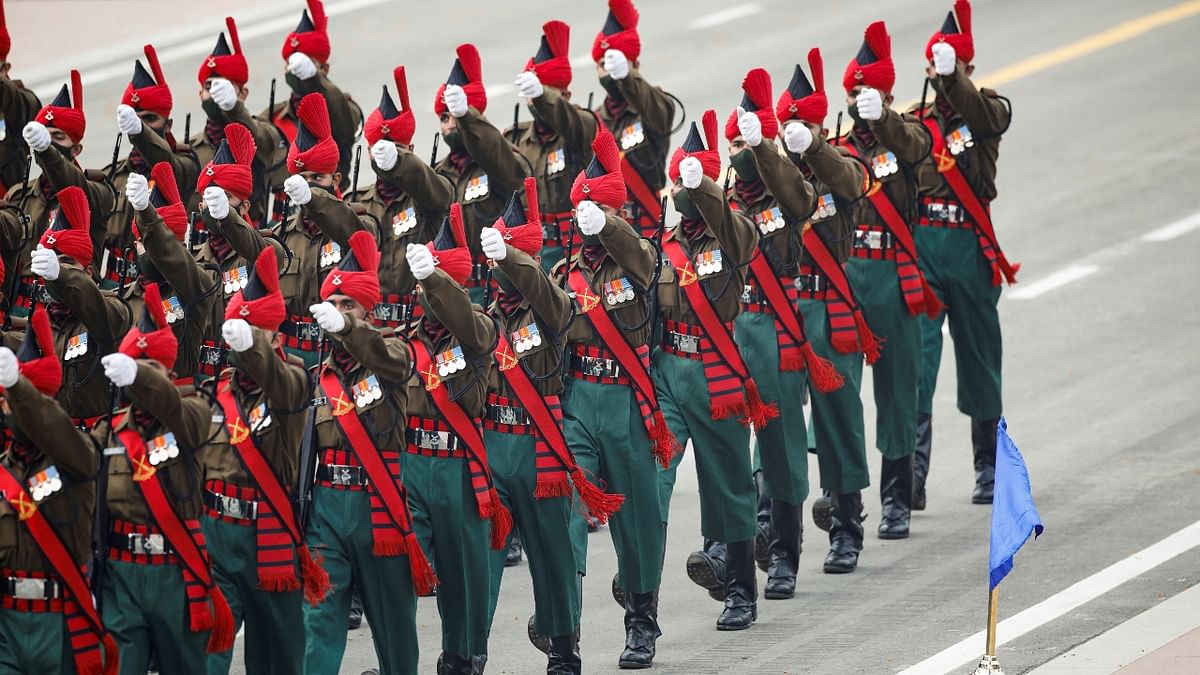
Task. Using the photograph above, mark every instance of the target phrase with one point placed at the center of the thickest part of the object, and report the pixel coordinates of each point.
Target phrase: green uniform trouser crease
(544, 525)
(605, 431)
(35, 642)
(145, 609)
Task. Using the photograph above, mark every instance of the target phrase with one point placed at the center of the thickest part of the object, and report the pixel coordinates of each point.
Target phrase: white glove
(492, 243)
(36, 136)
(943, 58)
(455, 99)
(328, 317)
(691, 172)
(750, 127)
(616, 64)
(137, 191)
(297, 190)
(797, 137)
(870, 104)
(44, 263)
(301, 66)
(420, 261)
(237, 335)
(217, 202)
(590, 218)
(385, 154)
(10, 370)
(223, 93)
(120, 369)
(128, 121)
(529, 86)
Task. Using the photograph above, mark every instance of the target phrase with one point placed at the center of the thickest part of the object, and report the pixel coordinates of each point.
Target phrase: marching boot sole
(779, 594)
(618, 593)
(839, 569)
(703, 574)
(893, 534)
(739, 626)
(822, 513)
(542, 642)
(633, 665)
(981, 499)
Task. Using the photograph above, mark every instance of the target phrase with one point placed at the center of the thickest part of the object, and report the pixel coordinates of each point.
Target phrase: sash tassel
(423, 578)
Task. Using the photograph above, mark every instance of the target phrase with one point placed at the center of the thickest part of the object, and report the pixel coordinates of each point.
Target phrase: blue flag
(1014, 515)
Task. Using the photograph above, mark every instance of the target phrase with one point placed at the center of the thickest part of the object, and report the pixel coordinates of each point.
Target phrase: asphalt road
(1101, 373)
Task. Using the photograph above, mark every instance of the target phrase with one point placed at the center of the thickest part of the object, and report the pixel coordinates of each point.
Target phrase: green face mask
(454, 142)
(744, 164)
(683, 204)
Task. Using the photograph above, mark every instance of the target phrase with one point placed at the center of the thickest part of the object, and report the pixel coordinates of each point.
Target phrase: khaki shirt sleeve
(845, 176)
(387, 357)
(104, 315)
(551, 303)
(902, 134)
(737, 235)
(451, 306)
(492, 152)
(44, 421)
(18, 105)
(575, 125)
(430, 190)
(982, 113)
(156, 149)
(335, 217)
(63, 174)
(173, 261)
(628, 249)
(652, 103)
(342, 118)
(785, 181)
(246, 241)
(285, 385)
(190, 419)
(266, 136)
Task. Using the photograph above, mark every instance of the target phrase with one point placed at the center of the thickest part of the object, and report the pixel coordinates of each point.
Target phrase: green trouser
(896, 372)
(446, 520)
(781, 448)
(274, 639)
(956, 269)
(728, 500)
(35, 643)
(605, 431)
(145, 609)
(837, 417)
(545, 535)
(339, 530)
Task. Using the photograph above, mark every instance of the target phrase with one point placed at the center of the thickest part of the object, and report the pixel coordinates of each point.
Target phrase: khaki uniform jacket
(386, 356)
(906, 138)
(547, 305)
(559, 160)
(345, 119)
(654, 111)
(270, 156)
(18, 106)
(782, 247)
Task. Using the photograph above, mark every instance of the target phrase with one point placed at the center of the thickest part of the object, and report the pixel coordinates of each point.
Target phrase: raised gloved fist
(616, 64)
(36, 136)
(493, 244)
(328, 317)
(797, 137)
(691, 172)
(385, 154)
(944, 58)
(120, 369)
(44, 263)
(137, 191)
(223, 93)
(301, 65)
(455, 99)
(237, 335)
(297, 190)
(750, 127)
(529, 86)
(590, 218)
(217, 202)
(870, 104)
(10, 370)
(128, 121)
(420, 261)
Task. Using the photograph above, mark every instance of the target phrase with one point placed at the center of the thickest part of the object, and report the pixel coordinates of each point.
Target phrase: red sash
(918, 296)
(635, 367)
(467, 429)
(723, 350)
(549, 427)
(843, 340)
(87, 632)
(947, 167)
(280, 576)
(184, 540)
(641, 192)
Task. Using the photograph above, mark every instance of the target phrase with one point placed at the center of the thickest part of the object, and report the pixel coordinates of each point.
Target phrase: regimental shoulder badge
(450, 362)
(884, 165)
(404, 221)
(367, 391)
(259, 418)
(46, 483)
(632, 135)
(618, 292)
(826, 207)
(477, 188)
(769, 221)
(172, 309)
(556, 161)
(162, 448)
(526, 338)
(77, 345)
(235, 279)
(708, 263)
(331, 254)
(959, 140)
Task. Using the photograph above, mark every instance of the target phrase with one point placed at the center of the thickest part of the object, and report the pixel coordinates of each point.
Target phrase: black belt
(386, 311)
(231, 507)
(513, 416)
(943, 212)
(682, 342)
(342, 475)
(140, 544)
(432, 440)
(595, 366)
(303, 330)
(810, 283)
(874, 240)
(27, 588)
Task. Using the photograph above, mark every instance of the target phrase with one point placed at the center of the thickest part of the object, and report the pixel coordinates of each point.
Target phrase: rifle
(433, 156)
(308, 453)
(191, 229)
(728, 175)
(25, 184)
(924, 94)
(591, 95)
(271, 103)
(655, 324)
(100, 533)
(516, 118)
(187, 127)
(837, 130)
(570, 253)
(112, 168)
(354, 180)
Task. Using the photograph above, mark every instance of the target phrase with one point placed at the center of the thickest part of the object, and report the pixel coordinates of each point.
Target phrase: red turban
(601, 181)
(522, 227)
(310, 37)
(65, 113)
(70, 234)
(260, 303)
(5, 40)
(230, 167)
(801, 100)
(388, 122)
(224, 61)
(873, 66)
(314, 149)
(956, 33)
(467, 73)
(165, 197)
(449, 248)
(756, 99)
(705, 151)
(148, 91)
(552, 63)
(152, 338)
(619, 32)
(357, 275)
(39, 360)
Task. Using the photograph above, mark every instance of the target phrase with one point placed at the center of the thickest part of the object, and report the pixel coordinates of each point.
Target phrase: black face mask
(744, 164)
(69, 153)
(590, 239)
(610, 85)
(859, 122)
(683, 204)
(504, 282)
(454, 142)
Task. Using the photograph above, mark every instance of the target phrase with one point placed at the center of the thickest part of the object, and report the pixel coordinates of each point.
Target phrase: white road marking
(582, 61)
(724, 16)
(1056, 280)
(1082, 592)
(1173, 230)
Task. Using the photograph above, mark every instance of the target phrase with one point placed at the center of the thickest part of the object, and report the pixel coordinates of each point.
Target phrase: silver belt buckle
(807, 282)
(25, 588)
(870, 239)
(147, 544)
(747, 294)
(434, 440)
(688, 344)
(238, 508)
(507, 414)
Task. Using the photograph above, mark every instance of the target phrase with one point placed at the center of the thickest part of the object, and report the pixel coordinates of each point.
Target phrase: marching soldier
(18, 106)
(960, 254)
(48, 481)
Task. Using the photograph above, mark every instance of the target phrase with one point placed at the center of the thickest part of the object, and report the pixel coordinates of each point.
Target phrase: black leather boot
(983, 443)
(641, 630)
(762, 538)
(921, 459)
(895, 495)
(512, 557)
(741, 587)
(477, 664)
(822, 511)
(453, 664)
(356, 609)
(787, 523)
(707, 568)
(846, 535)
(564, 658)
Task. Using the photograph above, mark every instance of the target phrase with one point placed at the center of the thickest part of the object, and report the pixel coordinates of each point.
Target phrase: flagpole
(989, 664)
